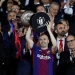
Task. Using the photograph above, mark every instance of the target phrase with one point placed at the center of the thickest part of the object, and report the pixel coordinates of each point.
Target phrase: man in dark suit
(54, 12)
(67, 26)
(9, 42)
(8, 39)
(71, 46)
(62, 58)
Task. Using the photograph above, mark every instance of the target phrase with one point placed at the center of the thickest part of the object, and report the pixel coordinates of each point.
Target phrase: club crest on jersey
(48, 52)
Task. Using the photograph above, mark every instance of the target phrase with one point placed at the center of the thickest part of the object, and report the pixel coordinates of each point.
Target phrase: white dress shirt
(47, 6)
(68, 10)
(66, 34)
(27, 2)
(65, 1)
(58, 42)
(70, 53)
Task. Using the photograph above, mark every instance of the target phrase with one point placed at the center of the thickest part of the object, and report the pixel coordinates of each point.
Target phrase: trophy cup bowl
(25, 18)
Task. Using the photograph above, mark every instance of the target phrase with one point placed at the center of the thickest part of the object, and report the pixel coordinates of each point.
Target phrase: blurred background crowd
(62, 15)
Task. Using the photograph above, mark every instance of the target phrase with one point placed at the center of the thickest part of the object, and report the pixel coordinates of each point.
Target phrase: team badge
(48, 52)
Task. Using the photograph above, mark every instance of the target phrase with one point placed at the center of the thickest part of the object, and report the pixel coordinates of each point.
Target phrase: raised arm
(53, 40)
(68, 2)
(28, 39)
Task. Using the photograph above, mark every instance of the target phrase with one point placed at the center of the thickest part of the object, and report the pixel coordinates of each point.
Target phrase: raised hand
(54, 49)
(1, 1)
(60, 50)
(49, 26)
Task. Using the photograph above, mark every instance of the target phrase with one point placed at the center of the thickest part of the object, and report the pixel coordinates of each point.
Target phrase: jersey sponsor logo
(43, 57)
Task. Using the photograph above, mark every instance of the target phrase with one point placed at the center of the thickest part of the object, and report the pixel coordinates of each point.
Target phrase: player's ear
(68, 27)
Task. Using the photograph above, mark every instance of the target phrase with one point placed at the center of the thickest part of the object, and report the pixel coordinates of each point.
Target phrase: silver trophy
(25, 18)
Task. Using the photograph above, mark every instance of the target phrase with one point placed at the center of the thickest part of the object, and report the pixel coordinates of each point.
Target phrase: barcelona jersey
(43, 61)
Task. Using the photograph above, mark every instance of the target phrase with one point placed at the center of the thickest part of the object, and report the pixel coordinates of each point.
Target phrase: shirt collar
(66, 34)
(46, 4)
(37, 3)
(59, 38)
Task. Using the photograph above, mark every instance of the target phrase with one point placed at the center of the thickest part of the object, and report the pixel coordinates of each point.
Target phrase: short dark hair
(10, 12)
(55, 27)
(64, 20)
(70, 35)
(38, 6)
(43, 34)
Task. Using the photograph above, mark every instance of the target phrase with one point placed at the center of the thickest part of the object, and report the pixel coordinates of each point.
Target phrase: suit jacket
(63, 62)
(27, 7)
(4, 53)
(9, 40)
(23, 68)
(63, 54)
(59, 1)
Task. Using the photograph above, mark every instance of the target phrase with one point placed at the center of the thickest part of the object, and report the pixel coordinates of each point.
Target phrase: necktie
(46, 8)
(61, 44)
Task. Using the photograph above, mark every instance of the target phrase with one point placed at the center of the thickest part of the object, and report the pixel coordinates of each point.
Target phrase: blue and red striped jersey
(43, 61)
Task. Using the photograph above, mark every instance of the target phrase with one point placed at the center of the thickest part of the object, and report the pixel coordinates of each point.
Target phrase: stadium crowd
(23, 51)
